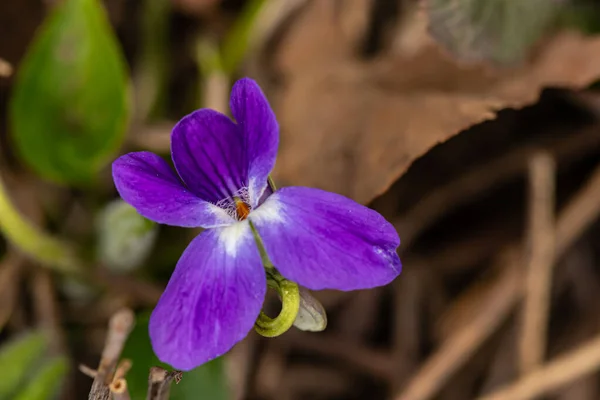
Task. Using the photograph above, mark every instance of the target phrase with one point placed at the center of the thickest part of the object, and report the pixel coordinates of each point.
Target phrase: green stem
(261, 247)
(271, 183)
(237, 42)
(31, 239)
(290, 304)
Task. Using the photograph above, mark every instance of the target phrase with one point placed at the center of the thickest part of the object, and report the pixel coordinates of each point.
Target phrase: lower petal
(323, 240)
(212, 300)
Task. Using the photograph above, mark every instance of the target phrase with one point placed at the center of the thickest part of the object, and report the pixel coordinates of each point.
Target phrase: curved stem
(290, 305)
(31, 239)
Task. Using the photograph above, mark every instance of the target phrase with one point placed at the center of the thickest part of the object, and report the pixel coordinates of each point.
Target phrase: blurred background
(472, 125)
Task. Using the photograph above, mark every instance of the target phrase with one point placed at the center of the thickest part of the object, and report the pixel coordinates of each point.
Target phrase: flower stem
(266, 262)
(288, 291)
(271, 183)
(290, 304)
(31, 239)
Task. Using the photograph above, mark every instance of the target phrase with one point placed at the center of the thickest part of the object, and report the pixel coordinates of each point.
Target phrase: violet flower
(317, 239)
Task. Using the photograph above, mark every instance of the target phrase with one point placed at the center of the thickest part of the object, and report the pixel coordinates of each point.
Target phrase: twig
(159, 383)
(577, 363)
(119, 327)
(461, 345)
(577, 216)
(88, 371)
(118, 389)
(540, 260)
(122, 368)
(478, 180)
(579, 213)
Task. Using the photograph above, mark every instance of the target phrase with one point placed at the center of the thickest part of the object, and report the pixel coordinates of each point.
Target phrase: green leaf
(16, 359)
(500, 31)
(207, 381)
(70, 105)
(46, 382)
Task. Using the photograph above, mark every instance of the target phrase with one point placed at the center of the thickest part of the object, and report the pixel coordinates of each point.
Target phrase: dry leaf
(354, 127)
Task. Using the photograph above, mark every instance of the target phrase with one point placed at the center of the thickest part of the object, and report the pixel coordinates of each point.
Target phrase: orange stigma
(241, 208)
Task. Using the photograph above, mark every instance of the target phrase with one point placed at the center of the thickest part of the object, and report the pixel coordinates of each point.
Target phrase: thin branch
(576, 217)
(118, 389)
(159, 383)
(119, 327)
(480, 179)
(540, 260)
(122, 368)
(580, 362)
(84, 369)
(457, 349)
(579, 213)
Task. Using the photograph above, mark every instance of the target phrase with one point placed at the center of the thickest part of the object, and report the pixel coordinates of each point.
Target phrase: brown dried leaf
(354, 126)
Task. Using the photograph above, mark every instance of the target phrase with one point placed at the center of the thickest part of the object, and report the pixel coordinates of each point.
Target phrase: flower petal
(150, 185)
(212, 300)
(208, 152)
(323, 240)
(257, 121)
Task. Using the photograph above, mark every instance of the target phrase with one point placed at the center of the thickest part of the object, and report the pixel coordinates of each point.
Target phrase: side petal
(257, 121)
(323, 240)
(150, 185)
(208, 153)
(212, 300)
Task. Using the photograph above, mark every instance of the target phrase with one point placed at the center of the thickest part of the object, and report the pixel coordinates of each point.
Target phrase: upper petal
(150, 185)
(212, 300)
(254, 115)
(208, 152)
(323, 240)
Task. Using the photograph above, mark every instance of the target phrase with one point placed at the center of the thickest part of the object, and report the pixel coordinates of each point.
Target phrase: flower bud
(311, 315)
(125, 238)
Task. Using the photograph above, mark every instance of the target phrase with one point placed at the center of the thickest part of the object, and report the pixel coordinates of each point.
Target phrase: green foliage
(500, 31)
(31, 240)
(235, 45)
(46, 383)
(17, 357)
(70, 104)
(207, 381)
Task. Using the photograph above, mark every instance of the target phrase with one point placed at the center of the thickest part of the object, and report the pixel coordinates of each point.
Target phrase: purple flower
(317, 239)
